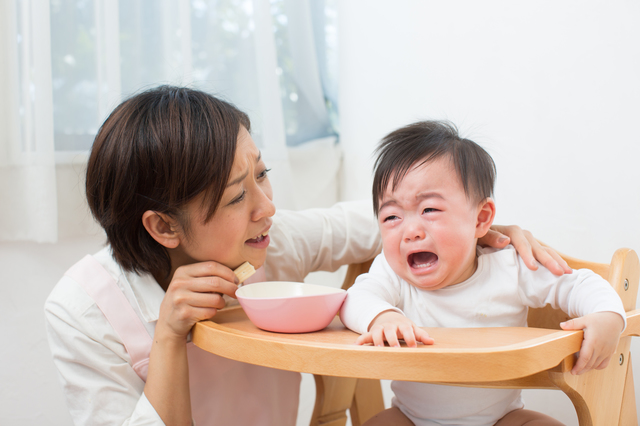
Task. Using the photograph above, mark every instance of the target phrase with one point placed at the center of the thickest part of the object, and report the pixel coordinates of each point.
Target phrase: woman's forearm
(167, 387)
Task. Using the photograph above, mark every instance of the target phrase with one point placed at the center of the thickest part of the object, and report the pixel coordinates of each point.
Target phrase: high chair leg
(367, 401)
(628, 413)
(333, 397)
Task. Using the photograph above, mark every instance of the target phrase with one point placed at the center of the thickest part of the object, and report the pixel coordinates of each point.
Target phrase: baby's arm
(601, 335)
(373, 308)
(589, 299)
(390, 326)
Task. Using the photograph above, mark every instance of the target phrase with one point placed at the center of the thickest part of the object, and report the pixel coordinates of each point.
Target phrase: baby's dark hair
(425, 141)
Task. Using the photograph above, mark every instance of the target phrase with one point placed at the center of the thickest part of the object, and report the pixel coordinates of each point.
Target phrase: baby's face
(429, 227)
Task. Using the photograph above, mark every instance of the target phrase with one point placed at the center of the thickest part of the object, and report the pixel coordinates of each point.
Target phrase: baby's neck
(468, 270)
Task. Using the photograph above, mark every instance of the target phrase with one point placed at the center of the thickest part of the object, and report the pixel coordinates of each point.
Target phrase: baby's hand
(390, 326)
(601, 335)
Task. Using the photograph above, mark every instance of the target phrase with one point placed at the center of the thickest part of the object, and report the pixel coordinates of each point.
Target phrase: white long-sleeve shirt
(498, 294)
(99, 383)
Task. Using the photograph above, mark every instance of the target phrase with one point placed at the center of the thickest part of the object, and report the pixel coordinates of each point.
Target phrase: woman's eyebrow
(238, 179)
(244, 175)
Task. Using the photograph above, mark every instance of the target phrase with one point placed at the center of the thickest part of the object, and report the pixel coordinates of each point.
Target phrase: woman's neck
(164, 280)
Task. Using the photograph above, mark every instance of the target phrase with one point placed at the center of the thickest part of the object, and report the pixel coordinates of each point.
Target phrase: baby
(432, 194)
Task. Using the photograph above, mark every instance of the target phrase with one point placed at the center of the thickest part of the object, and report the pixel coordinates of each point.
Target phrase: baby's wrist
(614, 319)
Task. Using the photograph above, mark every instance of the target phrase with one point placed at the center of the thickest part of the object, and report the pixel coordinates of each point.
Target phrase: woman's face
(238, 231)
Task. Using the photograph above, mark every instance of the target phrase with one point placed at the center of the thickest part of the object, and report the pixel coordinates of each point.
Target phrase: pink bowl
(290, 307)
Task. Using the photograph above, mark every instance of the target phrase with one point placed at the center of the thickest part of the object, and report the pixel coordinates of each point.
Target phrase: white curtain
(27, 166)
(67, 64)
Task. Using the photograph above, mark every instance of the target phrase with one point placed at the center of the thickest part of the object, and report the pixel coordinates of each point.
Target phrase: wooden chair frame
(363, 397)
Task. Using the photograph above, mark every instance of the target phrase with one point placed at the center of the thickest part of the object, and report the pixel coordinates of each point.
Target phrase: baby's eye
(429, 210)
(263, 174)
(389, 218)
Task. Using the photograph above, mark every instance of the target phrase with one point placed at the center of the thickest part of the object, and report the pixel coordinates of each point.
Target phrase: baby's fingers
(585, 361)
(391, 335)
(405, 331)
(377, 334)
(423, 336)
(375, 337)
(590, 360)
(365, 338)
(602, 365)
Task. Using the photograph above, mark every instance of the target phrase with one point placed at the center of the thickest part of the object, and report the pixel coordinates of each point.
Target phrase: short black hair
(425, 141)
(157, 151)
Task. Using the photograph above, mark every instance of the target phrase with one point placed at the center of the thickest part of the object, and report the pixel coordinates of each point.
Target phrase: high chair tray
(460, 355)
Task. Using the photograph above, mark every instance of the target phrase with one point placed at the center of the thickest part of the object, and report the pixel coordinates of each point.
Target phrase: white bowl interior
(276, 289)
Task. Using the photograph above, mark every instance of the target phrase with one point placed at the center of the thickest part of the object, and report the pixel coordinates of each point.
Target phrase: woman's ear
(162, 228)
(486, 214)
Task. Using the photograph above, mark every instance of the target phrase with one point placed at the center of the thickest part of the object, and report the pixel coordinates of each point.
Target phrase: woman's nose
(264, 206)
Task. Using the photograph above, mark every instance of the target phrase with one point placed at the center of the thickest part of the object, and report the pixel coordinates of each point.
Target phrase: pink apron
(223, 391)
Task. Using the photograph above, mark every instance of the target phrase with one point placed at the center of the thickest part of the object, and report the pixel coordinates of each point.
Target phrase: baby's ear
(486, 214)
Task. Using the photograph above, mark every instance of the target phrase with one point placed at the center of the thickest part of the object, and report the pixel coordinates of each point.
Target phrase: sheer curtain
(27, 167)
(71, 62)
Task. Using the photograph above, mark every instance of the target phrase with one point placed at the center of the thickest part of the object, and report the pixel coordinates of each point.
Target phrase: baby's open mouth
(423, 259)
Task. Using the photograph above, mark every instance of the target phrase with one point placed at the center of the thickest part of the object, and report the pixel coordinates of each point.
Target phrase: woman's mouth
(422, 260)
(259, 242)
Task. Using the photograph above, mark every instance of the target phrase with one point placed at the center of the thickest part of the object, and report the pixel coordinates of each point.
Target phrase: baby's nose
(414, 233)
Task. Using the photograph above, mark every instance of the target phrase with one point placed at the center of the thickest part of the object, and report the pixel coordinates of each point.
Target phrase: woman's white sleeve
(321, 240)
(100, 386)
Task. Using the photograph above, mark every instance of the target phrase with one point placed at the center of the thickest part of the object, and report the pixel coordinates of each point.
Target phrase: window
(103, 50)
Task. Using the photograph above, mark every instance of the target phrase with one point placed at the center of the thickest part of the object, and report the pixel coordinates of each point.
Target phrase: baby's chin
(424, 284)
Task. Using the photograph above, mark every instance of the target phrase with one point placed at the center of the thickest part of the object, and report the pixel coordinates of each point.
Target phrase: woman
(182, 193)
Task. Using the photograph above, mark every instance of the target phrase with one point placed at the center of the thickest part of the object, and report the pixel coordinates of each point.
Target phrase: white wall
(550, 89)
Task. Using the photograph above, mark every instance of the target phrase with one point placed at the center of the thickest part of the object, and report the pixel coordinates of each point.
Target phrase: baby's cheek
(392, 250)
(398, 263)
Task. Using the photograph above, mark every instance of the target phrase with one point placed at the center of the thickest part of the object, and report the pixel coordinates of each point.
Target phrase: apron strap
(104, 290)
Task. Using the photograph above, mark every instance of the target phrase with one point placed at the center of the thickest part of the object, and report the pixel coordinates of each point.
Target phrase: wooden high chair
(601, 397)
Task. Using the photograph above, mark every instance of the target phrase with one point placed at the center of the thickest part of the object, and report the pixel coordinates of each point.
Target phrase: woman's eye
(263, 174)
(238, 198)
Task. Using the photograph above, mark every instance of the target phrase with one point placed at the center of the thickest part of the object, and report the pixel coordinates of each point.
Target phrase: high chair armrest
(633, 324)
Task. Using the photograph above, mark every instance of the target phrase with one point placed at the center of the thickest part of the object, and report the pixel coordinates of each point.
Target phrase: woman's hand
(195, 294)
(601, 335)
(390, 326)
(529, 249)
